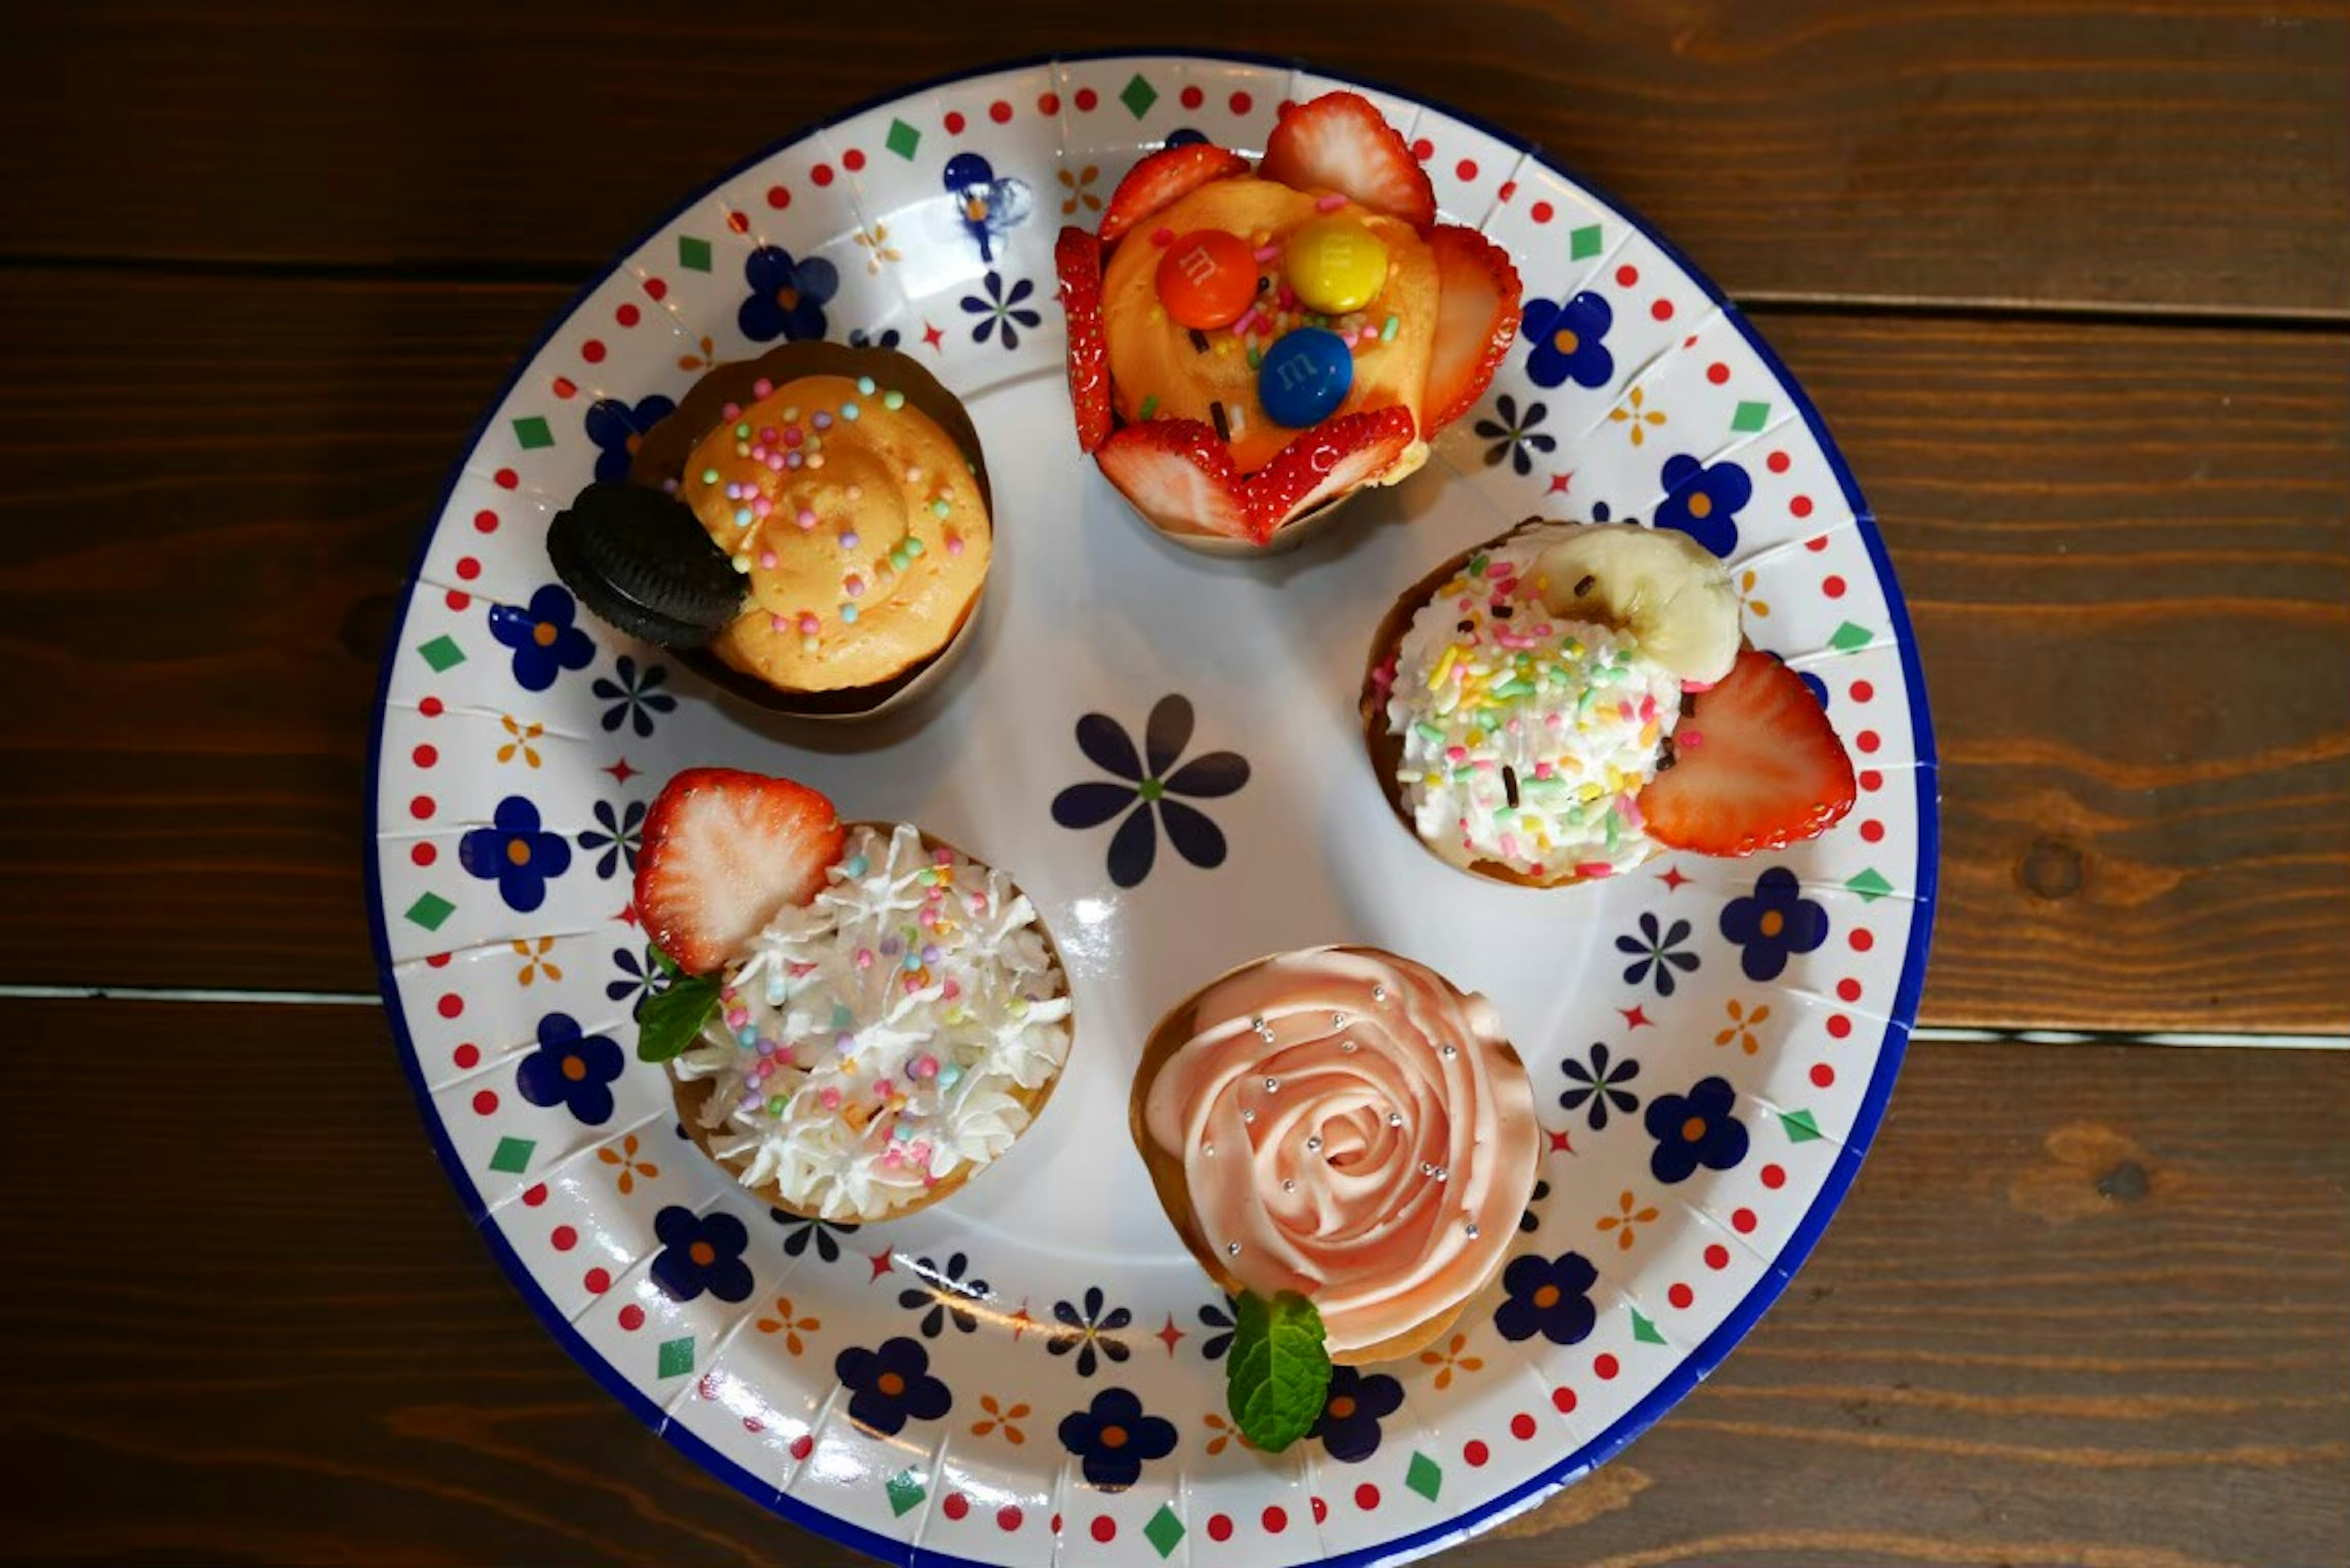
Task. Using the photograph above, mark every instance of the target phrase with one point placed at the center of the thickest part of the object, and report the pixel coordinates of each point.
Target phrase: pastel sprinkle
(925, 1066)
(1150, 406)
(1387, 329)
(710, 476)
(914, 545)
(941, 507)
(829, 1098)
(854, 587)
(808, 623)
(822, 420)
(893, 400)
(1162, 236)
(767, 559)
(849, 540)
(848, 615)
(850, 411)
(742, 432)
(1329, 204)
(865, 385)
(806, 518)
(1267, 252)
(954, 544)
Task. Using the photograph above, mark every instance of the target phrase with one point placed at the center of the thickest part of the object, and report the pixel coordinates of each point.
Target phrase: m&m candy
(1207, 278)
(1336, 265)
(1305, 376)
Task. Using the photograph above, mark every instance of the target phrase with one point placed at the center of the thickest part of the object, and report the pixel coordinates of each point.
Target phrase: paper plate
(1764, 1001)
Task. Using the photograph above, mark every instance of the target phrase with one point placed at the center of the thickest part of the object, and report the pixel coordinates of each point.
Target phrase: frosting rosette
(1342, 1123)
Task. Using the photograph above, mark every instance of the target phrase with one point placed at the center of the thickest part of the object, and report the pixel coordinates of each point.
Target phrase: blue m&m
(1305, 376)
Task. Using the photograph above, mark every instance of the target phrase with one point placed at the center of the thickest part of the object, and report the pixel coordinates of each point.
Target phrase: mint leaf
(1277, 1372)
(669, 966)
(668, 1023)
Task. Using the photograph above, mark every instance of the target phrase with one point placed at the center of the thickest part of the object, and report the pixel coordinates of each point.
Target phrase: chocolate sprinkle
(1586, 586)
(1510, 784)
(1199, 341)
(1216, 412)
(1665, 758)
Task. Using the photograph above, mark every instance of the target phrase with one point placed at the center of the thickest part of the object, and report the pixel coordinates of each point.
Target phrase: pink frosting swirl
(1352, 1128)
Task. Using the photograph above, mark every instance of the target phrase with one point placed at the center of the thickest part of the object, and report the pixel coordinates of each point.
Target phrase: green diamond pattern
(1164, 1530)
(514, 1158)
(1751, 417)
(1869, 886)
(677, 1356)
(692, 254)
(1644, 1331)
(905, 1490)
(532, 434)
(1138, 96)
(1801, 1127)
(1424, 1476)
(430, 910)
(1584, 243)
(442, 654)
(902, 140)
(1849, 636)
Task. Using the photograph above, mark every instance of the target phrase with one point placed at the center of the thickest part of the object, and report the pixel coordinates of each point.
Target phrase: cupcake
(809, 529)
(1341, 1124)
(1565, 701)
(1250, 347)
(866, 1017)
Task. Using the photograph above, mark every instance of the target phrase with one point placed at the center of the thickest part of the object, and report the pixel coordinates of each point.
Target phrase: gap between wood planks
(2323, 319)
(1929, 1035)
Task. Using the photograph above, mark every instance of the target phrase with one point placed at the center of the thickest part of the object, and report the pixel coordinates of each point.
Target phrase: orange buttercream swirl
(1353, 1128)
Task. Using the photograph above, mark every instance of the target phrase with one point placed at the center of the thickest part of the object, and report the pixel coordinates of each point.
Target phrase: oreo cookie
(642, 561)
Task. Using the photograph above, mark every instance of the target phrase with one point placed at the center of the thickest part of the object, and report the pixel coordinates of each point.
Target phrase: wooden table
(2072, 285)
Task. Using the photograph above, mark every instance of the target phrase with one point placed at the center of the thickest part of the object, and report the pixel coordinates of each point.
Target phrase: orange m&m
(1207, 278)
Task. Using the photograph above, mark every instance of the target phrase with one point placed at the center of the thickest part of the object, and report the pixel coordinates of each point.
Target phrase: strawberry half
(1180, 474)
(1325, 463)
(1756, 766)
(1077, 257)
(1340, 141)
(723, 851)
(1476, 321)
(1160, 180)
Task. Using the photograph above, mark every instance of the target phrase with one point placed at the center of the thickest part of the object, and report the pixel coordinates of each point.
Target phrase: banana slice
(1663, 587)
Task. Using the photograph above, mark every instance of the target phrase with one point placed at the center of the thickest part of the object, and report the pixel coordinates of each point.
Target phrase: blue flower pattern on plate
(1090, 1331)
(700, 1252)
(986, 205)
(1569, 341)
(572, 1069)
(516, 852)
(1146, 780)
(544, 640)
(787, 296)
(944, 1296)
(1001, 309)
(1772, 924)
(617, 428)
(638, 977)
(1352, 1409)
(1601, 1084)
(1703, 500)
(1113, 1438)
(1515, 437)
(617, 834)
(891, 1384)
(1658, 953)
(635, 694)
(801, 1234)
(1548, 1296)
(1695, 1129)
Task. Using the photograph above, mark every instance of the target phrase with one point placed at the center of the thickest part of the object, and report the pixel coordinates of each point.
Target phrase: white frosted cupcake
(870, 1049)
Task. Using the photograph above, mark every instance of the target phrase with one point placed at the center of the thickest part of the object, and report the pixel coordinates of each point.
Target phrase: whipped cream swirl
(1352, 1128)
(886, 1036)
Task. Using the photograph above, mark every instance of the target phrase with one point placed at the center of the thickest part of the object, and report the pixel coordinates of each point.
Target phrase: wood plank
(2079, 1293)
(2125, 549)
(2190, 155)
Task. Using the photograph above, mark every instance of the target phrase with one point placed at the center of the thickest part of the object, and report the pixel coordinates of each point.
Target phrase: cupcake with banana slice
(1563, 703)
(810, 530)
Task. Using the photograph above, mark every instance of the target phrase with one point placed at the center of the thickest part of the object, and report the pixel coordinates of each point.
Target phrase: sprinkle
(949, 1075)
(913, 474)
(1272, 1085)
(1163, 235)
(822, 420)
(1470, 1230)
(1232, 1248)
(1224, 422)
(742, 432)
(1395, 1118)
(848, 615)
(829, 1098)
(854, 586)
(893, 400)
(1267, 252)
(1314, 1145)
(954, 544)
(942, 507)
(728, 411)
(1436, 677)
(1429, 732)
(1199, 341)
(850, 411)
(1378, 993)
(865, 957)
(1329, 204)
(1150, 406)
(815, 461)
(1387, 329)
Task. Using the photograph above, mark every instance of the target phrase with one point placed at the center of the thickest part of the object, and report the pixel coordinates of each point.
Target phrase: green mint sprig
(1277, 1374)
(670, 1020)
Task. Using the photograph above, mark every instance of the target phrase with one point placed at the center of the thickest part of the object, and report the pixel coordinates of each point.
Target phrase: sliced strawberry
(1180, 474)
(1476, 321)
(1341, 142)
(1077, 257)
(1324, 463)
(1159, 180)
(723, 851)
(1756, 766)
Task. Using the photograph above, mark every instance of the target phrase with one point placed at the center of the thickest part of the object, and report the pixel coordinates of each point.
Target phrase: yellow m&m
(1336, 265)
